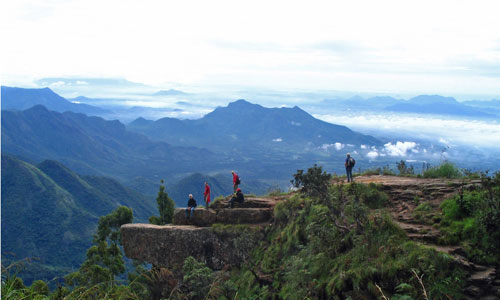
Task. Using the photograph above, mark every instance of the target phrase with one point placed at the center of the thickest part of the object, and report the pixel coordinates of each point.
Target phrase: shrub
(314, 182)
(197, 278)
(445, 170)
(40, 287)
(473, 218)
(388, 171)
(376, 171)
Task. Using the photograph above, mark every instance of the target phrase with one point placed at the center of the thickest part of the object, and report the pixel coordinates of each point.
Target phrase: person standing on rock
(190, 207)
(206, 194)
(349, 164)
(236, 181)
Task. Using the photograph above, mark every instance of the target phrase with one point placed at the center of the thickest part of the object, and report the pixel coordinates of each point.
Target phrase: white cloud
(443, 141)
(296, 123)
(278, 140)
(439, 55)
(339, 146)
(57, 83)
(372, 154)
(81, 82)
(399, 149)
(363, 147)
(451, 130)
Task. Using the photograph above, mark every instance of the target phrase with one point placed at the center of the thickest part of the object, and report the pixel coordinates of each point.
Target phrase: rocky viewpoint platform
(169, 245)
(197, 237)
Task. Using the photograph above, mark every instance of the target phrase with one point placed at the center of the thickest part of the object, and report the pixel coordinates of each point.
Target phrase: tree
(165, 208)
(104, 258)
(314, 182)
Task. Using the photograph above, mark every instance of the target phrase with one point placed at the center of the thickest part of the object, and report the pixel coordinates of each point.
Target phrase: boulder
(206, 217)
(250, 202)
(201, 217)
(169, 245)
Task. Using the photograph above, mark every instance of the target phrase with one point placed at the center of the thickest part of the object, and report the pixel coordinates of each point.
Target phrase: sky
(414, 47)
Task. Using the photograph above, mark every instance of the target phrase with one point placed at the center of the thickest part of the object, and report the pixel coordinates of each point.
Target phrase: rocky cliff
(206, 238)
(218, 246)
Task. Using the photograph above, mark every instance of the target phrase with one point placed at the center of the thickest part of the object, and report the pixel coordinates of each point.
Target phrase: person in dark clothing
(349, 164)
(238, 197)
(191, 206)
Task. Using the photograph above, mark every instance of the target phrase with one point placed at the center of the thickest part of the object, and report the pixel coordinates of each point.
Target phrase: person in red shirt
(236, 181)
(206, 194)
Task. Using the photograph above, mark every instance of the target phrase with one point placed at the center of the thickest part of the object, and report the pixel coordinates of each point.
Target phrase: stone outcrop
(227, 244)
(250, 202)
(169, 245)
(206, 217)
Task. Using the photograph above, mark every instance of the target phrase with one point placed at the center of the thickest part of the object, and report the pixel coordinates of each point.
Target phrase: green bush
(197, 278)
(40, 287)
(445, 170)
(314, 183)
(472, 219)
(374, 171)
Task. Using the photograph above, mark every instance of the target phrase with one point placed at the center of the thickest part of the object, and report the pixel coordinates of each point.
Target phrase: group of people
(237, 196)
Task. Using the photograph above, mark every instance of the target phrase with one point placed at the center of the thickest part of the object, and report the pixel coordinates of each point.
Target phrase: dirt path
(407, 197)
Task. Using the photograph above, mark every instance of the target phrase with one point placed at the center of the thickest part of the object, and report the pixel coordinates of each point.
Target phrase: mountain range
(423, 104)
(265, 144)
(92, 145)
(242, 125)
(50, 213)
(14, 98)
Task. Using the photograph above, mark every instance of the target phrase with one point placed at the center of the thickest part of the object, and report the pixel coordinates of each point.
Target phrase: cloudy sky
(445, 47)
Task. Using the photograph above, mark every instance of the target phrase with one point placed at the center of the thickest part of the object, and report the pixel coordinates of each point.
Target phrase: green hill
(92, 145)
(50, 213)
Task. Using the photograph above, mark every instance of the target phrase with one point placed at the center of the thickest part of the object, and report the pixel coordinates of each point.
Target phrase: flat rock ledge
(169, 245)
(205, 217)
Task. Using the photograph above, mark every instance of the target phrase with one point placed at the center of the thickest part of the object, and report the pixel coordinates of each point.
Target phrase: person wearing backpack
(349, 164)
(236, 181)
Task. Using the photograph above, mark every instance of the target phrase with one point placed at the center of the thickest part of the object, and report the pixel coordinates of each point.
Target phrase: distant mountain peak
(37, 108)
(14, 98)
(241, 102)
(170, 92)
(432, 99)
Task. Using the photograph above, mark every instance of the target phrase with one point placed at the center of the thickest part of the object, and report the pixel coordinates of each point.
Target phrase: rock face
(169, 245)
(206, 217)
(218, 246)
(250, 202)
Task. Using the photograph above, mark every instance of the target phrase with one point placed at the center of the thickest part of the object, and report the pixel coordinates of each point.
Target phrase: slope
(92, 145)
(50, 213)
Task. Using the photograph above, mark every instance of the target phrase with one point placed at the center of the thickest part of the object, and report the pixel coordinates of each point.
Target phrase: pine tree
(165, 208)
